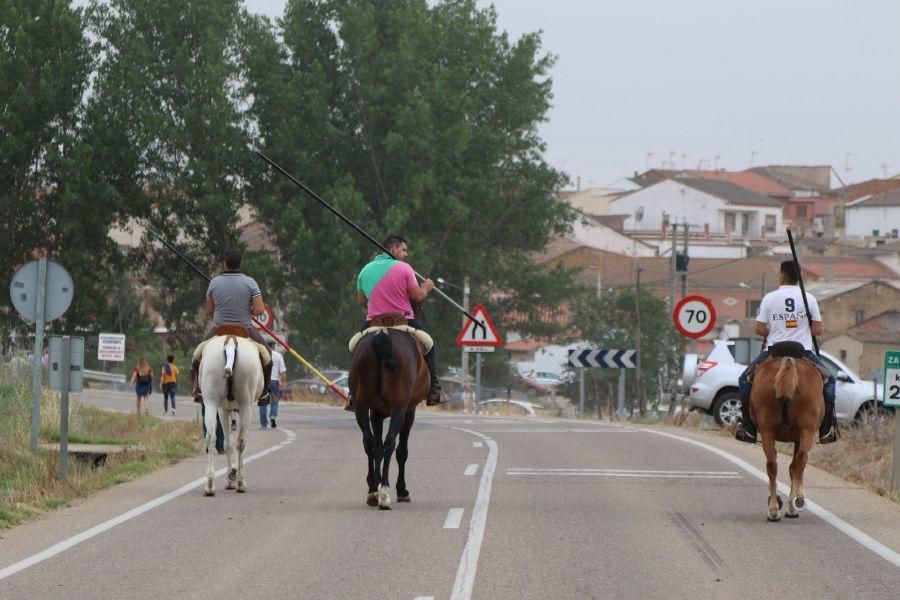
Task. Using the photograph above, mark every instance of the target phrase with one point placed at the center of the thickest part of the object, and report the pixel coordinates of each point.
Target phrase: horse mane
(787, 379)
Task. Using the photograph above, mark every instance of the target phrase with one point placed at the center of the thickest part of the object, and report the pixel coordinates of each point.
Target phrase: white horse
(234, 362)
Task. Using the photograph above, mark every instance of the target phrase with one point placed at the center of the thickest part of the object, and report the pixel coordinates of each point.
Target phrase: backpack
(168, 369)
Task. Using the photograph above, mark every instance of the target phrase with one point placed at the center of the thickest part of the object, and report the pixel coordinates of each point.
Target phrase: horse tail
(384, 350)
(786, 380)
(230, 361)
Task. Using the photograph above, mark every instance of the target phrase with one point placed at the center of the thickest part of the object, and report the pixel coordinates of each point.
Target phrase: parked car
(539, 382)
(315, 385)
(714, 389)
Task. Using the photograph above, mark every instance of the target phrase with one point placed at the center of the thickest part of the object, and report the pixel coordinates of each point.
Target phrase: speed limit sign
(267, 319)
(694, 316)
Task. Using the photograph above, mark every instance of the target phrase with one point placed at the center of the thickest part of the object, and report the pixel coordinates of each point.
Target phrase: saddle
(234, 330)
(384, 322)
(793, 350)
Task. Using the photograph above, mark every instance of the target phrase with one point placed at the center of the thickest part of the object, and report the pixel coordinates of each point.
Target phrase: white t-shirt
(783, 312)
(277, 366)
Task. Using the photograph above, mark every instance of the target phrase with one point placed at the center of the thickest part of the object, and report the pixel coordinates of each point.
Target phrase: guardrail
(105, 377)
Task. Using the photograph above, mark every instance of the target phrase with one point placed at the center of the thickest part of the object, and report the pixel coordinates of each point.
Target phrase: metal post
(672, 266)
(66, 368)
(37, 362)
(620, 409)
(638, 375)
(581, 393)
(467, 387)
(477, 381)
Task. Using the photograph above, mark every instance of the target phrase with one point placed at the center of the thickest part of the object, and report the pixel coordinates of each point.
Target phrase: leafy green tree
(411, 118)
(610, 322)
(167, 125)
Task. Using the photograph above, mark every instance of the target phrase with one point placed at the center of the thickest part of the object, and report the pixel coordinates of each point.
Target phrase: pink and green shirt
(386, 282)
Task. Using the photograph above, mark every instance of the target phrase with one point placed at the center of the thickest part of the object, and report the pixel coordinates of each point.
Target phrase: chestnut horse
(388, 378)
(787, 405)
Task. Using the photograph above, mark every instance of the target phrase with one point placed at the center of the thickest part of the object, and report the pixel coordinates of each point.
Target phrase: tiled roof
(891, 198)
(790, 176)
(745, 179)
(855, 191)
(729, 192)
(848, 267)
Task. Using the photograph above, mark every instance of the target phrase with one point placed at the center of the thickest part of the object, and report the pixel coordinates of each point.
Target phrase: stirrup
(830, 437)
(349, 406)
(741, 434)
(435, 399)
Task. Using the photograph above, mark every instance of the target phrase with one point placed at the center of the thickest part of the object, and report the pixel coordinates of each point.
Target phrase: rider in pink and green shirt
(389, 286)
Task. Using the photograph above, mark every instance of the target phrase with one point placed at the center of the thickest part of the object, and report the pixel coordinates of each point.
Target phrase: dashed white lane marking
(580, 430)
(424, 598)
(127, 516)
(468, 563)
(476, 444)
(454, 517)
(471, 469)
(626, 473)
(468, 422)
(846, 528)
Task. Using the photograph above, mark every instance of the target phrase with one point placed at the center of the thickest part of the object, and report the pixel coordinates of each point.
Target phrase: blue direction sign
(603, 358)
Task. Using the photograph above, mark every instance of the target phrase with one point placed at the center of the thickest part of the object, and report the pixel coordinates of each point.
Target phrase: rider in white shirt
(782, 318)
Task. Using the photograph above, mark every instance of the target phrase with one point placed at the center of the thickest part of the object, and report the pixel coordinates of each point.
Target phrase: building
(709, 206)
(846, 305)
(801, 180)
(748, 180)
(862, 347)
(877, 215)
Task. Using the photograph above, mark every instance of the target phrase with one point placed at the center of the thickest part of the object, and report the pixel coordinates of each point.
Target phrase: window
(729, 221)
(833, 368)
(753, 308)
(837, 211)
(801, 211)
(843, 355)
(770, 223)
(745, 224)
(859, 316)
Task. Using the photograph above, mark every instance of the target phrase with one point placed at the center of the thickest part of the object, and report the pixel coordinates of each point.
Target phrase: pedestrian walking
(168, 383)
(142, 380)
(276, 380)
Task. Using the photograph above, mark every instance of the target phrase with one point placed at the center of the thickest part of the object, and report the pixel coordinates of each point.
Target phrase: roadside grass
(29, 486)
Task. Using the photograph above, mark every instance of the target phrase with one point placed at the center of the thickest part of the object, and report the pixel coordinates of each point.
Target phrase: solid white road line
(468, 563)
(852, 532)
(127, 516)
(424, 598)
(471, 470)
(582, 430)
(454, 517)
(657, 476)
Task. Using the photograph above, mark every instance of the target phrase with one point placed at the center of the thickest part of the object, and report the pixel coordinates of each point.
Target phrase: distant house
(745, 179)
(877, 215)
(846, 305)
(711, 206)
(802, 180)
(592, 201)
(862, 347)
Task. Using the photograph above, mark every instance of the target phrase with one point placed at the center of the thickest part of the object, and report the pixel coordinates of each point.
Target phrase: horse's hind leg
(229, 450)
(402, 454)
(210, 420)
(797, 501)
(398, 417)
(243, 423)
(362, 419)
(768, 444)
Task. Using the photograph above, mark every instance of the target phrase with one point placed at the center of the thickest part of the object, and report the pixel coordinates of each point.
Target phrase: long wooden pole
(802, 290)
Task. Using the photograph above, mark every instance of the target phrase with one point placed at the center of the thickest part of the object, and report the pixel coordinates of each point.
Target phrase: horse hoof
(372, 499)
(798, 503)
(241, 489)
(209, 492)
(791, 515)
(230, 485)
(775, 518)
(404, 498)
(384, 507)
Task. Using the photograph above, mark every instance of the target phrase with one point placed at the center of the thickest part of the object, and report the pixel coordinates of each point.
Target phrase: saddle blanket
(263, 351)
(423, 339)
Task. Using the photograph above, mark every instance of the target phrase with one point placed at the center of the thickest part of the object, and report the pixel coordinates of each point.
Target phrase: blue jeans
(745, 386)
(169, 392)
(272, 406)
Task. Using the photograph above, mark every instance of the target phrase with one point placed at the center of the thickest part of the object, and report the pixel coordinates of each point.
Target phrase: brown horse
(787, 406)
(388, 378)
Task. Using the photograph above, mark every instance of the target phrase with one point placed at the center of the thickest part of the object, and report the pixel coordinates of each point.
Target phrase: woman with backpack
(142, 380)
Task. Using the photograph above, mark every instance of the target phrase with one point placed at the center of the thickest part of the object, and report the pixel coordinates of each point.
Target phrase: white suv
(714, 388)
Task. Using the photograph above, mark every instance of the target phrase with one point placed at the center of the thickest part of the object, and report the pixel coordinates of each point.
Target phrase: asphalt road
(504, 508)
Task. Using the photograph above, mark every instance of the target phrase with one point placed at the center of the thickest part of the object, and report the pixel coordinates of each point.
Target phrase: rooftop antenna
(649, 156)
(716, 162)
(683, 156)
(847, 167)
(884, 168)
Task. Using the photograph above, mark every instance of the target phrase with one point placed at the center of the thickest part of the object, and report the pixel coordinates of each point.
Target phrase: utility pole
(467, 389)
(684, 272)
(672, 266)
(638, 379)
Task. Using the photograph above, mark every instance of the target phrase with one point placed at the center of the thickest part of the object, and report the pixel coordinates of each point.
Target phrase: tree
(166, 123)
(608, 322)
(410, 118)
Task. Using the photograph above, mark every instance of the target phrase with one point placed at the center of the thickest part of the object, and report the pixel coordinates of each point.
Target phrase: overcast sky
(761, 81)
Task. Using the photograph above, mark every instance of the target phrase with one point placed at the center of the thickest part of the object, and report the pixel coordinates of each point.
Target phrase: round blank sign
(57, 298)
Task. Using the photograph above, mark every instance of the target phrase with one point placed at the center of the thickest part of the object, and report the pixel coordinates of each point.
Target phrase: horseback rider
(388, 285)
(233, 298)
(782, 318)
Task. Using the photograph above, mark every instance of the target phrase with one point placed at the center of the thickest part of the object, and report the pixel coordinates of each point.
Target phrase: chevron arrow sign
(599, 357)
